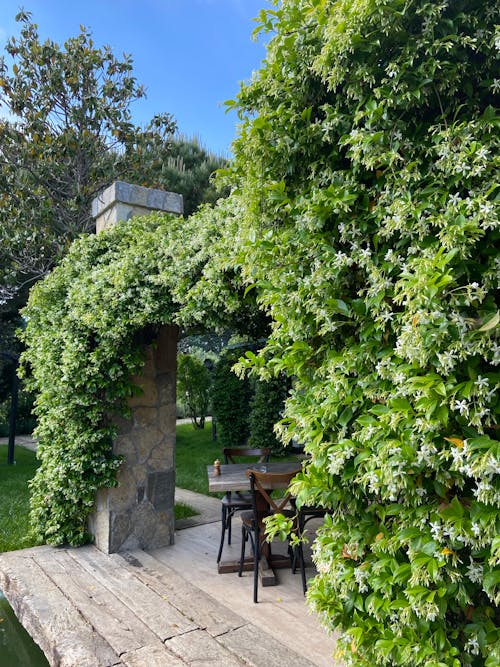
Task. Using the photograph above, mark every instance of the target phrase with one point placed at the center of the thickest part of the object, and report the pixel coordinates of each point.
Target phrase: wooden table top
(233, 476)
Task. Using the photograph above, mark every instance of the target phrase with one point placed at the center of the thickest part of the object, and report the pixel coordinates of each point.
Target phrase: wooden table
(233, 477)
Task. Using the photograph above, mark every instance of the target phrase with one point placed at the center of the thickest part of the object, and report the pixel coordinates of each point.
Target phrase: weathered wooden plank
(148, 656)
(198, 648)
(143, 601)
(66, 638)
(226, 566)
(204, 611)
(258, 648)
(122, 630)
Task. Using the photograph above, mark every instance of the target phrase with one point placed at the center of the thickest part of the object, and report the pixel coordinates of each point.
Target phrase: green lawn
(14, 498)
(194, 450)
(183, 511)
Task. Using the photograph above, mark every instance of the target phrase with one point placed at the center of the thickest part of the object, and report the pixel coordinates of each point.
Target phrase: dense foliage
(68, 134)
(188, 169)
(86, 327)
(363, 217)
(267, 406)
(84, 335)
(368, 164)
(230, 402)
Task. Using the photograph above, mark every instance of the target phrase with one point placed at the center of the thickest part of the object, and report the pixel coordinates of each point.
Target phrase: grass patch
(14, 495)
(183, 511)
(194, 450)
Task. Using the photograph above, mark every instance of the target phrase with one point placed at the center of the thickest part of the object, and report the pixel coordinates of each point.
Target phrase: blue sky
(190, 55)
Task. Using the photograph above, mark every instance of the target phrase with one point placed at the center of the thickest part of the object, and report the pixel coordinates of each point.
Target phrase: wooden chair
(237, 501)
(264, 504)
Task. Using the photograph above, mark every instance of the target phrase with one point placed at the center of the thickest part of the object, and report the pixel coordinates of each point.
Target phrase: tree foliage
(189, 169)
(193, 387)
(69, 132)
(231, 397)
(266, 410)
(68, 135)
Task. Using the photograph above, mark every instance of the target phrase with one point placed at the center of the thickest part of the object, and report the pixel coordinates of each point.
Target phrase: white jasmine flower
(481, 382)
(475, 572)
(472, 646)
(461, 406)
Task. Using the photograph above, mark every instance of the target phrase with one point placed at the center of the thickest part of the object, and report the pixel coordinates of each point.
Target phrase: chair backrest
(265, 482)
(231, 454)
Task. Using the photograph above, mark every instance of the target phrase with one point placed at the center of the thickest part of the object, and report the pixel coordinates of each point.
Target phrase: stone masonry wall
(139, 512)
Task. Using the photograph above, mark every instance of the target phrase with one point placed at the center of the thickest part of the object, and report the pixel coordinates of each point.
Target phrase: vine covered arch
(364, 222)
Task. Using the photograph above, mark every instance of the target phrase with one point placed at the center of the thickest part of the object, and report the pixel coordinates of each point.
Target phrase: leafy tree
(188, 169)
(367, 169)
(193, 387)
(68, 135)
(71, 134)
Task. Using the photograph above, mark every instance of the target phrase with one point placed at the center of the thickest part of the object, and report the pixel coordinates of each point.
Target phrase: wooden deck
(163, 608)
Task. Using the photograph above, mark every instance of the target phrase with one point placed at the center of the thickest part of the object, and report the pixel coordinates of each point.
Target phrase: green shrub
(87, 325)
(230, 402)
(266, 409)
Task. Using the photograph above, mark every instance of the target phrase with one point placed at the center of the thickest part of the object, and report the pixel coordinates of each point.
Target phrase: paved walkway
(21, 440)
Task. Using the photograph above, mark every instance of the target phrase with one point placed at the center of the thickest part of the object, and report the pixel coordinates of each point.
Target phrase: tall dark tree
(187, 168)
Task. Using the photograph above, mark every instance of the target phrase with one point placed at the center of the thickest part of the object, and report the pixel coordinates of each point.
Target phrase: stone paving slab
(88, 609)
(208, 508)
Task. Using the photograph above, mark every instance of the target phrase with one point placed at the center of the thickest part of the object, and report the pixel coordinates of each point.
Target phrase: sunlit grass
(183, 511)
(194, 450)
(14, 499)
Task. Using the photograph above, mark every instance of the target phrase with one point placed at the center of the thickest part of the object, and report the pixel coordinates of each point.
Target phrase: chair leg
(292, 552)
(302, 567)
(256, 558)
(229, 522)
(242, 555)
(223, 531)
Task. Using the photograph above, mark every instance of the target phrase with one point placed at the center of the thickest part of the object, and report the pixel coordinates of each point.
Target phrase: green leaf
(491, 323)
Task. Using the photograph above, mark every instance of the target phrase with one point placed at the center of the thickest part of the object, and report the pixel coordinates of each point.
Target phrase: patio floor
(163, 608)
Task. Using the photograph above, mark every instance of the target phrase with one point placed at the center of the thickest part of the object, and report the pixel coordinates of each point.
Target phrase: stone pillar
(122, 201)
(139, 512)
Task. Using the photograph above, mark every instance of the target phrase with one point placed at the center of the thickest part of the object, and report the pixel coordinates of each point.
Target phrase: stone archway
(139, 512)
